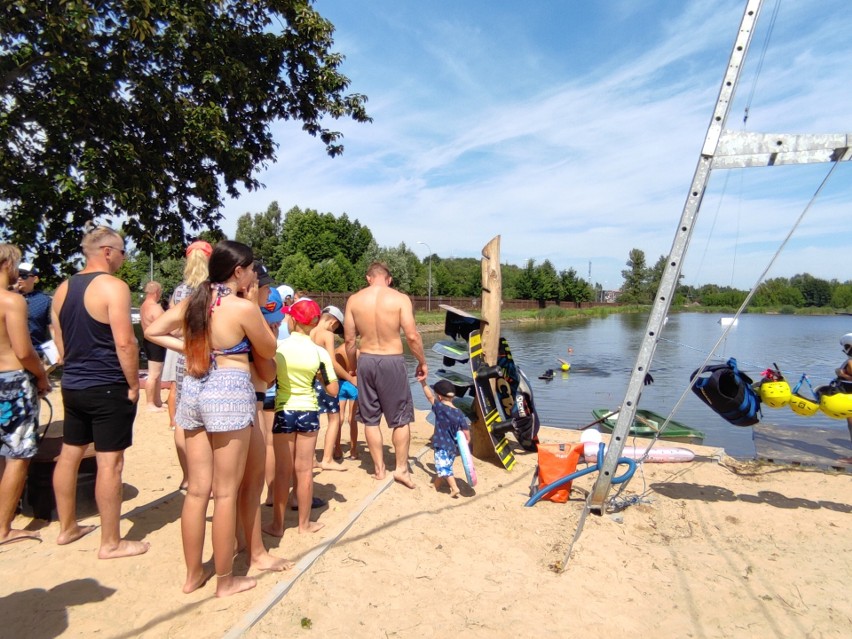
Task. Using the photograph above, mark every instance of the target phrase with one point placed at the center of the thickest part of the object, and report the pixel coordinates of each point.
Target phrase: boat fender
(729, 392)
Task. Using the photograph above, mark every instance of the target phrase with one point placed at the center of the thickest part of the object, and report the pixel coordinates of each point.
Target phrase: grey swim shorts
(383, 389)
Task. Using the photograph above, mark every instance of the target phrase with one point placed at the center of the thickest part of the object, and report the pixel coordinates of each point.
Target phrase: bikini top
(243, 346)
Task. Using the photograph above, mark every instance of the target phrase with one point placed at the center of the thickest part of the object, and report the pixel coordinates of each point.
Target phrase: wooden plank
(812, 446)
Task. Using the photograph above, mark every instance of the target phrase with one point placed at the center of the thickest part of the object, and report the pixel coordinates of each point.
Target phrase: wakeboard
(487, 404)
(516, 398)
(458, 379)
(457, 351)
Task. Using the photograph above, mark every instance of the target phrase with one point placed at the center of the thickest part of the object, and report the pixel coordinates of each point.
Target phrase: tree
(262, 232)
(546, 283)
(633, 290)
(141, 113)
(815, 292)
(574, 288)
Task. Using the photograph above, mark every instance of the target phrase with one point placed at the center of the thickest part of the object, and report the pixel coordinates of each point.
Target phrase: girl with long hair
(216, 408)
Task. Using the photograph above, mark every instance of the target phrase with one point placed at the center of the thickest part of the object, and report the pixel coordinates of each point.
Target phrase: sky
(572, 129)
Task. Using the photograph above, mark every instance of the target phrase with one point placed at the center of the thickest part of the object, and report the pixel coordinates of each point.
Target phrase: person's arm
(349, 335)
(326, 373)
(126, 347)
(22, 345)
(430, 397)
(265, 367)
(256, 328)
(412, 336)
(58, 300)
(161, 331)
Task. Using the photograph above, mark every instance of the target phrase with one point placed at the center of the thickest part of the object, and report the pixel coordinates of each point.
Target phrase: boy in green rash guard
(298, 362)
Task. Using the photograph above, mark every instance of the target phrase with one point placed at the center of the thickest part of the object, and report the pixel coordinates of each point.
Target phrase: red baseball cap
(304, 311)
(200, 245)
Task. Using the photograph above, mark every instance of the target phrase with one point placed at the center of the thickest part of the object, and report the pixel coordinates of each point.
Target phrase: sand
(710, 548)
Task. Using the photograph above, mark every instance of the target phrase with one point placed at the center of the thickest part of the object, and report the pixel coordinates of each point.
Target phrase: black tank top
(90, 356)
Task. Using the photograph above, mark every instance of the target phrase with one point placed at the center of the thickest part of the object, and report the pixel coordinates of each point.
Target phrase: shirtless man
(330, 324)
(377, 313)
(22, 380)
(148, 312)
(100, 388)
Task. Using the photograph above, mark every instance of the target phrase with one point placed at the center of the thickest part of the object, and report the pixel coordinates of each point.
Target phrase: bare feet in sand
(230, 585)
(312, 527)
(403, 478)
(125, 548)
(273, 532)
(379, 474)
(194, 582)
(454, 493)
(333, 465)
(19, 535)
(269, 563)
(74, 534)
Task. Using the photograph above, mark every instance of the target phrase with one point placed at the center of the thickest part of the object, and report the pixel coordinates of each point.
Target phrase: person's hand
(251, 291)
(422, 372)
(133, 395)
(43, 386)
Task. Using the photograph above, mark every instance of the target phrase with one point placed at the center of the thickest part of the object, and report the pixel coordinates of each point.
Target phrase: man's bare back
(377, 312)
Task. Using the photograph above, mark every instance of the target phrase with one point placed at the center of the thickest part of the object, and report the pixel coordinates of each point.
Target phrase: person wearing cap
(378, 313)
(286, 292)
(448, 421)
(38, 306)
(330, 324)
(22, 380)
(149, 311)
(194, 273)
(100, 388)
(298, 361)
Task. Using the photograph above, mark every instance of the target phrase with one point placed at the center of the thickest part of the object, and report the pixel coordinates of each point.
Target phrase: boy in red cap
(298, 361)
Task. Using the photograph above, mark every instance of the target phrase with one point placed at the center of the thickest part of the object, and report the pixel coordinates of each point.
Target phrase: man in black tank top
(100, 388)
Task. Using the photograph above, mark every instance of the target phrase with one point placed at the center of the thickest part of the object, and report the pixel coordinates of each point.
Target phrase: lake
(604, 351)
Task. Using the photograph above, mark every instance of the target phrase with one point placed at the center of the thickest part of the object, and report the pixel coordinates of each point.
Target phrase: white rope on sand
(283, 587)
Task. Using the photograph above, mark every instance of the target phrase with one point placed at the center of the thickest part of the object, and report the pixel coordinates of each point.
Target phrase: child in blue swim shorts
(448, 421)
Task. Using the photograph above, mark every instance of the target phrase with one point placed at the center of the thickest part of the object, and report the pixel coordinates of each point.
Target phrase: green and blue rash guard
(297, 361)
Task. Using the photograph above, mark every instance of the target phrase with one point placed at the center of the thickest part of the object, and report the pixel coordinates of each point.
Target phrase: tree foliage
(634, 289)
(144, 111)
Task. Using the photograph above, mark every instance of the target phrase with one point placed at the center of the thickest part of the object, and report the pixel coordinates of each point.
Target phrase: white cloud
(568, 160)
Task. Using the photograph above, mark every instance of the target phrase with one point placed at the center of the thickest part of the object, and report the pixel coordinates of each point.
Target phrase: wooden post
(492, 299)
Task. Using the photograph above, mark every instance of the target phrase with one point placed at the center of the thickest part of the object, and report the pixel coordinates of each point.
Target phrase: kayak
(647, 423)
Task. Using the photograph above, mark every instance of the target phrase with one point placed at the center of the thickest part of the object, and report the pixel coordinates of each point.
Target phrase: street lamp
(428, 248)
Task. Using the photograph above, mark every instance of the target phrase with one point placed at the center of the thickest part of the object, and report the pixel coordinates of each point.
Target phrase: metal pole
(428, 248)
(671, 273)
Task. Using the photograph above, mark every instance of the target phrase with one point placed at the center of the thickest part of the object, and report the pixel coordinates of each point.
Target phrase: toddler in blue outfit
(448, 421)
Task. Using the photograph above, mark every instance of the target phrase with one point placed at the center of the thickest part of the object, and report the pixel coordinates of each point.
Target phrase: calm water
(605, 351)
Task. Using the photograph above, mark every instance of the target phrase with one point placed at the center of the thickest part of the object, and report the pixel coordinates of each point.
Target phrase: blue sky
(572, 129)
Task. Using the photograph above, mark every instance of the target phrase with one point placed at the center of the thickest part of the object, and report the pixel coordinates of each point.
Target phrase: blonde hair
(95, 238)
(10, 254)
(196, 269)
(153, 287)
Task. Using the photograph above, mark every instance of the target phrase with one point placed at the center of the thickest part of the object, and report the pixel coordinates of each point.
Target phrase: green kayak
(647, 423)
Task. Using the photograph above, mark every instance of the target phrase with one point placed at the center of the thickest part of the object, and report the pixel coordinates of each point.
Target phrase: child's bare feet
(312, 527)
(270, 563)
(230, 585)
(194, 582)
(70, 536)
(333, 465)
(454, 493)
(124, 548)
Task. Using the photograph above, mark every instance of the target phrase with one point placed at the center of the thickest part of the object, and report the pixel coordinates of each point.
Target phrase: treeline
(321, 252)
(798, 292)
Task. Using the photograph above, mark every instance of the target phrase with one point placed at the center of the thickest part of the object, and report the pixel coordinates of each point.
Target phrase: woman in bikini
(217, 403)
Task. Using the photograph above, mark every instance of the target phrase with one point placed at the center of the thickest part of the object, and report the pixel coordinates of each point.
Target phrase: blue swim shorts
(348, 391)
(444, 462)
(18, 415)
(295, 421)
(327, 403)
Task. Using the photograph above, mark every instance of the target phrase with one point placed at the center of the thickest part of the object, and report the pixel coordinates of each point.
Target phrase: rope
(742, 307)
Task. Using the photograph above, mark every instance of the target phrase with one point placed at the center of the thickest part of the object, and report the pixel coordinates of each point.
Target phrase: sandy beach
(710, 548)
